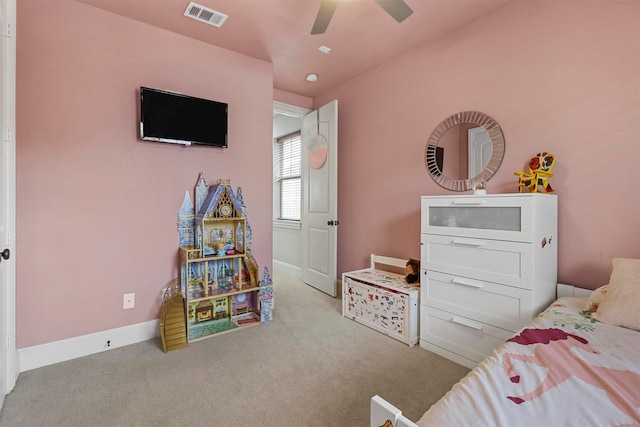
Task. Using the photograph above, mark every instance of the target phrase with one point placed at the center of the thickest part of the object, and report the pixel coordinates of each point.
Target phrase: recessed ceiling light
(324, 49)
(312, 77)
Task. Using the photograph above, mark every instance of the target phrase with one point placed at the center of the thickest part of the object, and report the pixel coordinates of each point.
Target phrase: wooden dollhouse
(218, 274)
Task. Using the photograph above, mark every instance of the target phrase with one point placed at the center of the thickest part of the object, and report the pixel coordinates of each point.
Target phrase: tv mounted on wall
(181, 119)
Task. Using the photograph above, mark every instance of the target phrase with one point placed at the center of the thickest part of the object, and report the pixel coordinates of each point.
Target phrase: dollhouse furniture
(382, 300)
(219, 289)
(488, 265)
(173, 328)
(540, 168)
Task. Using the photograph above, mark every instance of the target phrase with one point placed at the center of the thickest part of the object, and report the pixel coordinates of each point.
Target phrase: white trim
(563, 290)
(8, 358)
(286, 268)
(279, 266)
(289, 110)
(72, 348)
(287, 224)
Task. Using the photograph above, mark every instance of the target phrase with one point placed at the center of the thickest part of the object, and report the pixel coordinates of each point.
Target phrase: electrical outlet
(129, 301)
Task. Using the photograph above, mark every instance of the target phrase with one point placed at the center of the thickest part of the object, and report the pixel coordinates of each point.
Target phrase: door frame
(289, 110)
(291, 229)
(8, 194)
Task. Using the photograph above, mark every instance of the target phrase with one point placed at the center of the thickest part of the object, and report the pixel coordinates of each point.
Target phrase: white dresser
(489, 265)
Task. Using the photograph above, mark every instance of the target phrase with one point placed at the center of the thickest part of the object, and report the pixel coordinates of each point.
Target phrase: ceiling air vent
(202, 14)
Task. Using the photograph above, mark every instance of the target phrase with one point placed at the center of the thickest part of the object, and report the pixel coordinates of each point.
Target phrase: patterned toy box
(382, 301)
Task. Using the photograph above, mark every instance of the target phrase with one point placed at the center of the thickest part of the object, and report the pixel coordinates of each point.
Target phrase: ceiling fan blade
(324, 16)
(398, 9)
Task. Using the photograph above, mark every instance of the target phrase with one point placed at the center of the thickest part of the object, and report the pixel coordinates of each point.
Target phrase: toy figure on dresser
(413, 272)
(540, 170)
(479, 187)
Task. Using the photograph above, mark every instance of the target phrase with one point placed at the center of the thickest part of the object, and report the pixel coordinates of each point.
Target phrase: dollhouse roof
(202, 190)
(215, 194)
(186, 209)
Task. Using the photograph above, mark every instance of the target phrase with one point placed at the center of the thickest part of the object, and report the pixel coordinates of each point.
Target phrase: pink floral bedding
(563, 369)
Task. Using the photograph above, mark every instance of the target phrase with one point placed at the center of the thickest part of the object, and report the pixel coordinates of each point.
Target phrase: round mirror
(317, 151)
(464, 150)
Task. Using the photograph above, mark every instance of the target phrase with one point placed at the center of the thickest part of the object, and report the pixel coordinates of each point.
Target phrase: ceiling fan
(398, 9)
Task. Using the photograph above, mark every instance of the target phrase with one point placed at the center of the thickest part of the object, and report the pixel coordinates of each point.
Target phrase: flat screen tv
(181, 119)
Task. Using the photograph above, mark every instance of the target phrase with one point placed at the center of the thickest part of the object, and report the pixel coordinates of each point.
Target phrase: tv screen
(173, 117)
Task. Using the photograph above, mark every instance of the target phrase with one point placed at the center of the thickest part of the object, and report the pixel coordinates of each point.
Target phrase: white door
(7, 197)
(480, 150)
(320, 198)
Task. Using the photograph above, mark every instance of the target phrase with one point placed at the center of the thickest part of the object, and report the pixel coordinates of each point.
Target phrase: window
(286, 176)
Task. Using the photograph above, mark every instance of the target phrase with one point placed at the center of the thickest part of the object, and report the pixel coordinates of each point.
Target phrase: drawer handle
(467, 323)
(467, 242)
(474, 202)
(467, 282)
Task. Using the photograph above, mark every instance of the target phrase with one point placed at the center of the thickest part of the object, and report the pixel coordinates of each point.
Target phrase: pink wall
(96, 207)
(292, 99)
(558, 76)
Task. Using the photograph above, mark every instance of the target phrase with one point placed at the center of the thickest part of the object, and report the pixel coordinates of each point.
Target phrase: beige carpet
(309, 367)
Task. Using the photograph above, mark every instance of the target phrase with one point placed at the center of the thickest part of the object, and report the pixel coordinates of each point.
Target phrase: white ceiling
(361, 34)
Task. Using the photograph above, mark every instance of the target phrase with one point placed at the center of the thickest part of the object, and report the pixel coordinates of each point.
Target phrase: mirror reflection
(464, 149)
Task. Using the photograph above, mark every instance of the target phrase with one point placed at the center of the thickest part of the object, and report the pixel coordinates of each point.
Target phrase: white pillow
(621, 304)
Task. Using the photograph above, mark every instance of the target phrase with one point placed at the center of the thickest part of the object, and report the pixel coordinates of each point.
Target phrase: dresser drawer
(468, 338)
(509, 263)
(504, 218)
(498, 305)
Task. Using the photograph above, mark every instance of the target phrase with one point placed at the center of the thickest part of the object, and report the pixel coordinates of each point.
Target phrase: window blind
(286, 176)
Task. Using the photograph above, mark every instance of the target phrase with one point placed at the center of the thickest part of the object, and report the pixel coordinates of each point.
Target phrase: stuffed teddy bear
(413, 271)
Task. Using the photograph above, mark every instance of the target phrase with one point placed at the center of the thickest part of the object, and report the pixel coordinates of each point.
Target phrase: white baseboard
(295, 271)
(290, 269)
(72, 348)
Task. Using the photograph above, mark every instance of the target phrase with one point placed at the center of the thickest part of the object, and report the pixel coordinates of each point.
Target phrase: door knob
(329, 222)
(5, 254)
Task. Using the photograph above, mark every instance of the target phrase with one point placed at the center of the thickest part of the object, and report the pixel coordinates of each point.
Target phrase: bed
(564, 368)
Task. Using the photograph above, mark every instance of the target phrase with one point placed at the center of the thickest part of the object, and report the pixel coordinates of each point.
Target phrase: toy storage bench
(382, 300)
